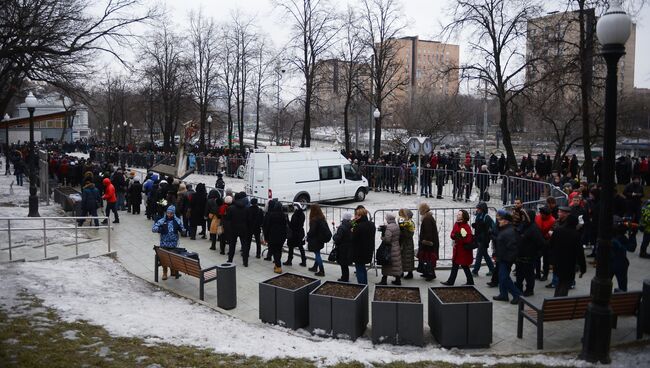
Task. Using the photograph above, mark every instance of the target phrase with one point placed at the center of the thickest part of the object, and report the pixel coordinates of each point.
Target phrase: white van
(302, 175)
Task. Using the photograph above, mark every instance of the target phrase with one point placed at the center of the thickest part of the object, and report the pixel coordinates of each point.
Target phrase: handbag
(425, 267)
(471, 246)
(334, 255)
(382, 256)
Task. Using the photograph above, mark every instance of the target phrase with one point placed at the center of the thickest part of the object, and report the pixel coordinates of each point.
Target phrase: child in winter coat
(169, 228)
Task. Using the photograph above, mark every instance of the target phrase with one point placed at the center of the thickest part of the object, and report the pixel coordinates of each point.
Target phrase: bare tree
(56, 41)
(164, 63)
(243, 36)
(498, 31)
(202, 65)
(262, 78)
(381, 27)
(314, 28)
(227, 75)
(351, 54)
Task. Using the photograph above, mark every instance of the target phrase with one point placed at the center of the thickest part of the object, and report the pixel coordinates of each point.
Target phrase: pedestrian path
(133, 240)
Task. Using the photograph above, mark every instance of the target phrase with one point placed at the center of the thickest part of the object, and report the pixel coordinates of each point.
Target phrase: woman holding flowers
(462, 255)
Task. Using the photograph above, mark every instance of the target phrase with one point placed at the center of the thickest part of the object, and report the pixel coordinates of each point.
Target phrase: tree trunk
(586, 56)
(257, 120)
(505, 132)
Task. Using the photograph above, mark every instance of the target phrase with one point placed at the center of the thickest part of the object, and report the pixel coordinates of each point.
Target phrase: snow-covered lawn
(100, 291)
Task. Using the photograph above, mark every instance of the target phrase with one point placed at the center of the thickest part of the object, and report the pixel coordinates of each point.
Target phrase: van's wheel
(360, 195)
(303, 198)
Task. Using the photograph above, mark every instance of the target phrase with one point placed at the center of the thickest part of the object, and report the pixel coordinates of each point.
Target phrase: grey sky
(422, 18)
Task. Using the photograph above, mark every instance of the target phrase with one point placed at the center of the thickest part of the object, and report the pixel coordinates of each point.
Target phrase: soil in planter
(458, 295)
(390, 294)
(290, 281)
(346, 291)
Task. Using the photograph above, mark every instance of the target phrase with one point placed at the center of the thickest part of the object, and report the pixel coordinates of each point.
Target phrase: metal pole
(598, 333)
(76, 237)
(485, 115)
(44, 239)
(108, 227)
(419, 170)
(33, 198)
(9, 235)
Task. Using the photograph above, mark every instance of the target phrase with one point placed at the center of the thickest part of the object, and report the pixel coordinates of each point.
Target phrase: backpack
(382, 255)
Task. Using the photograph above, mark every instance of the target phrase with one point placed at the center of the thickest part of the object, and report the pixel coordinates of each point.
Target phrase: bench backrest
(178, 262)
(575, 307)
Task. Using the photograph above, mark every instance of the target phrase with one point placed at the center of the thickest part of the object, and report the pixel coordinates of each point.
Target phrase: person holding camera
(169, 228)
(390, 235)
(462, 256)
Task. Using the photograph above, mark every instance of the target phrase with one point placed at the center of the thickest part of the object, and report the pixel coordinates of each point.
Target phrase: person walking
(135, 196)
(343, 243)
(530, 249)
(274, 226)
(428, 244)
(624, 241)
(461, 257)
(507, 245)
(90, 201)
(169, 228)
(390, 234)
(296, 237)
(237, 220)
(111, 201)
(212, 214)
(567, 251)
(544, 222)
(226, 231)
(19, 170)
(255, 221)
(406, 232)
(484, 230)
(196, 211)
(319, 233)
(363, 240)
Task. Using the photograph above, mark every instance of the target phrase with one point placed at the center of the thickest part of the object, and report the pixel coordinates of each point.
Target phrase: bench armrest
(209, 269)
(529, 303)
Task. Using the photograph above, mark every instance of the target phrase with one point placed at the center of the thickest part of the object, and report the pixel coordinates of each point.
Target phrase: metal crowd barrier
(76, 228)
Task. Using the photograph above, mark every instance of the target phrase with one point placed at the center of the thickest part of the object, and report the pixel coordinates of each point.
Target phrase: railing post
(76, 237)
(108, 227)
(44, 239)
(9, 234)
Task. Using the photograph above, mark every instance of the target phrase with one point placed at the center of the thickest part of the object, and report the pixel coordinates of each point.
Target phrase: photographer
(624, 241)
(169, 226)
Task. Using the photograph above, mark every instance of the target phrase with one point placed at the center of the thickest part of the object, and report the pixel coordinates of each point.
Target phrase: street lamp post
(376, 114)
(209, 130)
(5, 118)
(131, 133)
(279, 71)
(613, 30)
(125, 124)
(30, 102)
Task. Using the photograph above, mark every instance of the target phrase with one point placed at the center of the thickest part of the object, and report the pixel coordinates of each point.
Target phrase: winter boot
(397, 281)
(321, 271)
(277, 269)
(313, 268)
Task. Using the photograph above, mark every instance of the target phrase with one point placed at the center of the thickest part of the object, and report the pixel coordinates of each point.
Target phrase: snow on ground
(102, 292)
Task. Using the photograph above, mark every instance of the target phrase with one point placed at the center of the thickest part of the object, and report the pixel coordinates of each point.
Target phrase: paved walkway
(133, 241)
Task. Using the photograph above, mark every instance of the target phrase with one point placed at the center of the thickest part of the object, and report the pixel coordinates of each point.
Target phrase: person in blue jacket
(169, 227)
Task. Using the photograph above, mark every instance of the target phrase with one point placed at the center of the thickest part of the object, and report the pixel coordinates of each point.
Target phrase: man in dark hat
(256, 219)
(507, 246)
(566, 251)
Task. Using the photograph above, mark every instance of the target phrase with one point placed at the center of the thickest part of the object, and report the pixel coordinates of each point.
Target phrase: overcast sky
(422, 17)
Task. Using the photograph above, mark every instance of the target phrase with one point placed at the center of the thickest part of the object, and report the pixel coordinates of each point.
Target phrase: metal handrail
(76, 229)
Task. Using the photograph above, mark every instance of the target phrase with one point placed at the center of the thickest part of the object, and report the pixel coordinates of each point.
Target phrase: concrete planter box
(337, 316)
(398, 322)
(286, 307)
(460, 324)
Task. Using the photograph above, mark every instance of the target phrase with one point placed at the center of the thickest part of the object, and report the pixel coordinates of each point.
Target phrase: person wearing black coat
(319, 233)
(530, 248)
(211, 213)
(343, 242)
(275, 232)
(237, 220)
(507, 246)
(363, 240)
(135, 197)
(567, 251)
(255, 221)
(197, 210)
(296, 234)
(90, 201)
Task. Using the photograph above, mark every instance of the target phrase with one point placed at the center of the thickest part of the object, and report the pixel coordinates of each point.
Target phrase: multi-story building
(553, 39)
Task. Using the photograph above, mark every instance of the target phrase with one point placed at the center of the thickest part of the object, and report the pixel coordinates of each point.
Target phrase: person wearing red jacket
(545, 222)
(461, 234)
(111, 201)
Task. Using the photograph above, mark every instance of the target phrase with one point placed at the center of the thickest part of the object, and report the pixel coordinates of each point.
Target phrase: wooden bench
(575, 307)
(186, 265)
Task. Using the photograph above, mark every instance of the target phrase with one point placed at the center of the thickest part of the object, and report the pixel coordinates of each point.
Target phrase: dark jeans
(525, 271)
(19, 179)
(345, 273)
(644, 243)
(621, 277)
(301, 248)
(505, 282)
(89, 212)
(362, 273)
(134, 208)
(454, 272)
(112, 207)
(563, 286)
(481, 254)
(276, 253)
(245, 247)
(258, 242)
